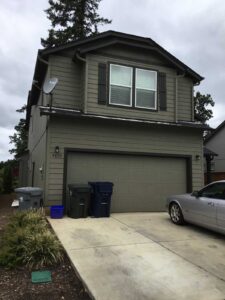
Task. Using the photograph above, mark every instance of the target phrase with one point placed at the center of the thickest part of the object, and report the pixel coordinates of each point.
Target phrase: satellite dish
(49, 85)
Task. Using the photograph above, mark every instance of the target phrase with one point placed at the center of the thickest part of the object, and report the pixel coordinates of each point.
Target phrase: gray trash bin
(29, 197)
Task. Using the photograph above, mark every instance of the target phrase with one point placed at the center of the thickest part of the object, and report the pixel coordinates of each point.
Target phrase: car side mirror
(196, 194)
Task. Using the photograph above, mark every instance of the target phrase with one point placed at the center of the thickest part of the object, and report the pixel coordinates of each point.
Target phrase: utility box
(101, 199)
(79, 200)
(29, 197)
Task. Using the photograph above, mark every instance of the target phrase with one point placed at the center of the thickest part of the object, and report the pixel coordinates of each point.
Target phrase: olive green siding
(72, 86)
(92, 96)
(185, 91)
(111, 136)
(129, 54)
(37, 147)
(69, 90)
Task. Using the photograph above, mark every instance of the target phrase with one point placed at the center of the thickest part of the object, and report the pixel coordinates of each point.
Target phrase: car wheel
(176, 214)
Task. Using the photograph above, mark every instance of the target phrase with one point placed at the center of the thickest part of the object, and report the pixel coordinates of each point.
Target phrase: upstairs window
(132, 87)
(120, 85)
(145, 89)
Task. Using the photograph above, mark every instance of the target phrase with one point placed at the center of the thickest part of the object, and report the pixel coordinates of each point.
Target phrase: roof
(104, 39)
(208, 152)
(214, 132)
(79, 114)
(111, 37)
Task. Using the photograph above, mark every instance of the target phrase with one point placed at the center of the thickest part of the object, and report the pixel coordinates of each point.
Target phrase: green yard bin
(79, 200)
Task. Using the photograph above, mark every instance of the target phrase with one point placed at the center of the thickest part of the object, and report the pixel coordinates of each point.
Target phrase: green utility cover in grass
(41, 276)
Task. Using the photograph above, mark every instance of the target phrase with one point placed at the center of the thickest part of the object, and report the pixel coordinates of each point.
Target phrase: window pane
(121, 75)
(216, 191)
(145, 98)
(120, 95)
(146, 79)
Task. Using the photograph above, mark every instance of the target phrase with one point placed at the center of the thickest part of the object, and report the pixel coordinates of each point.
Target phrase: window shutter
(102, 84)
(162, 91)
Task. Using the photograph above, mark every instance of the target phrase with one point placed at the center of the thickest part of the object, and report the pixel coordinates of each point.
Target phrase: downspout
(176, 95)
(86, 80)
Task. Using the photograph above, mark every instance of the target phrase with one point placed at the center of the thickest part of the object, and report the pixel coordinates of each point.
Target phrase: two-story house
(122, 111)
(215, 142)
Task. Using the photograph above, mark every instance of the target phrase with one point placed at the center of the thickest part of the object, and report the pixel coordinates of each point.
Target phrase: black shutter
(102, 83)
(162, 91)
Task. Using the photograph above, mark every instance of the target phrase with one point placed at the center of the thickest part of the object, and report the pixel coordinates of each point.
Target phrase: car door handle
(211, 203)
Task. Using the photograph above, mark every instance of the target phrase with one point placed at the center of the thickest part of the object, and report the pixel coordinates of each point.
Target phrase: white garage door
(141, 183)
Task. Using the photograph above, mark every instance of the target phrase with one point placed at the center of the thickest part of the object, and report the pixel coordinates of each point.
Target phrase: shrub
(34, 219)
(7, 180)
(28, 240)
(42, 249)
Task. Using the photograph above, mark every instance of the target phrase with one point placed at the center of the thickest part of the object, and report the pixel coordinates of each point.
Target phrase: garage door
(141, 183)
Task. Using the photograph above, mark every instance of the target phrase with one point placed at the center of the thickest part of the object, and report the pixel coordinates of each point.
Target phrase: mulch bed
(16, 284)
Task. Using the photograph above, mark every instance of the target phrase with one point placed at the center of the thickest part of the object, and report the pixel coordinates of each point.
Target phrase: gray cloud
(191, 30)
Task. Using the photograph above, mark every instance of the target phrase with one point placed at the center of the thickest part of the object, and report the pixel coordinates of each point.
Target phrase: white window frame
(131, 87)
(155, 90)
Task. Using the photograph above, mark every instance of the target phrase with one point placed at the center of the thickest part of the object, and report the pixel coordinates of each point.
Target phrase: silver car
(205, 207)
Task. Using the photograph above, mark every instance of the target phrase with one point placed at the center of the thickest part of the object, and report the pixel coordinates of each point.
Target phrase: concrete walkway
(144, 256)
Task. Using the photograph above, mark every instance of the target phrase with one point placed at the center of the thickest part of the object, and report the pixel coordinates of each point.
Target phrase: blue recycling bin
(101, 198)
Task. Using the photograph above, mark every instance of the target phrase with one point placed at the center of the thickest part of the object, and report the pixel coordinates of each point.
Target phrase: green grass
(28, 241)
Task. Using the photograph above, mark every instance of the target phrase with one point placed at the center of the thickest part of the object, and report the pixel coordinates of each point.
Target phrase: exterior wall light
(197, 157)
(56, 149)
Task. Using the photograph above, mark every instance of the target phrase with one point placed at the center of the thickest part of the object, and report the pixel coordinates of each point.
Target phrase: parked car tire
(176, 214)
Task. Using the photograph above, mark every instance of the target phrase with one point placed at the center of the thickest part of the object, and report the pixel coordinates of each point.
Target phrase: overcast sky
(192, 30)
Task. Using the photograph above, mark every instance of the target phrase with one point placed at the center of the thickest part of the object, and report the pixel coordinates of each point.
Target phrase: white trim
(154, 90)
(122, 85)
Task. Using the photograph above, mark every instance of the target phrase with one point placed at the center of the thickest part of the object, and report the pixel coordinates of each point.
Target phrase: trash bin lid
(104, 186)
(33, 191)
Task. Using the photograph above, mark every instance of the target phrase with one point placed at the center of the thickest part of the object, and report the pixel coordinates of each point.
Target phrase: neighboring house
(216, 143)
(122, 112)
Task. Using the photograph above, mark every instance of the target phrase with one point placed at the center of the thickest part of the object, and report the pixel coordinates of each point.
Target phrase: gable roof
(214, 132)
(104, 39)
(111, 37)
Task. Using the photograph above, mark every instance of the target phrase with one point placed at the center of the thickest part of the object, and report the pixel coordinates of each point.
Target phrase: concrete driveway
(144, 256)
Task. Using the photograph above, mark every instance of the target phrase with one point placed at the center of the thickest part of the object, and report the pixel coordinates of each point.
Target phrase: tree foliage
(7, 183)
(201, 103)
(71, 20)
(20, 137)
(8, 179)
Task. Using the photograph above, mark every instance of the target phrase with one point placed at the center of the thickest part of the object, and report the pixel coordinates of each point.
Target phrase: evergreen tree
(19, 138)
(202, 113)
(71, 20)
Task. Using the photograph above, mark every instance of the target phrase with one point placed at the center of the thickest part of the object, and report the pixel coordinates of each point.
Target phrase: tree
(71, 20)
(20, 137)
(202, 113)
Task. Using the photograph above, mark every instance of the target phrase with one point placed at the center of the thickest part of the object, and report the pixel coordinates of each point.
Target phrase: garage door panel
(141, 183)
